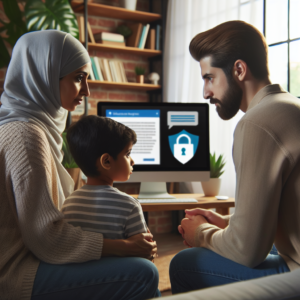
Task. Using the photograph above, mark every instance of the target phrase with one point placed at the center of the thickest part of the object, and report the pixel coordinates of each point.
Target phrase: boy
(101, 148)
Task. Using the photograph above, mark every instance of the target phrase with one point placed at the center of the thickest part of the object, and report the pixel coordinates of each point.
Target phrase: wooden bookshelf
(102, 10)
(124, 86)
(129, 50)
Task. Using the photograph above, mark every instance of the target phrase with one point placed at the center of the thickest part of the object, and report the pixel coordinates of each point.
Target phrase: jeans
(198, 268)
(108, 278)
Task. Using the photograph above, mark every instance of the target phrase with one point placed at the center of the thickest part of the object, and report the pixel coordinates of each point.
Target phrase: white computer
(172, 143)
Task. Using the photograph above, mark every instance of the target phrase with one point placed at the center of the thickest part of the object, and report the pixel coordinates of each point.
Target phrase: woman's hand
(211, 216)
(139, 245)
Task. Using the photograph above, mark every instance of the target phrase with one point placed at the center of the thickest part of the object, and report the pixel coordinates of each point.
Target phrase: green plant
(139, 70)
(216, 166)
(68, 160)
(37, 15)
(124, 30)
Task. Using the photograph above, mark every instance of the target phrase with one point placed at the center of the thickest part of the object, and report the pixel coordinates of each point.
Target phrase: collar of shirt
(265, 91)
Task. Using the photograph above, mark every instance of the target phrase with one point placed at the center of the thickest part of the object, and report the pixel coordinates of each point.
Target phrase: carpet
(168, 245)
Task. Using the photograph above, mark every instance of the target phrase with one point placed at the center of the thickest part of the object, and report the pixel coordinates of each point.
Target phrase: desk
(222, 206)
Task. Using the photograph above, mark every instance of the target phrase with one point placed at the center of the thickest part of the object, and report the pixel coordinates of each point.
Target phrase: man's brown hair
(229, 42)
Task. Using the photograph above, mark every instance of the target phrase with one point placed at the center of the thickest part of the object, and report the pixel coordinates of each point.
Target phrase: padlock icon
(183, 152)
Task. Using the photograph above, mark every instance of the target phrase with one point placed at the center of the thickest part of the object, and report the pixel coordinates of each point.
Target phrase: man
(266, 152)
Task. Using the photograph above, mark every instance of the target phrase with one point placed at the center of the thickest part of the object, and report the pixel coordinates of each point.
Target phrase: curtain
(182, 79)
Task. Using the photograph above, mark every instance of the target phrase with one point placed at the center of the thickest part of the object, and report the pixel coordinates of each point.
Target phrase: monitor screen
(171, 138)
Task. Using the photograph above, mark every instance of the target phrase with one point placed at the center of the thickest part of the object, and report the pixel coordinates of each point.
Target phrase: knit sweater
(31, 226)
(266, 154)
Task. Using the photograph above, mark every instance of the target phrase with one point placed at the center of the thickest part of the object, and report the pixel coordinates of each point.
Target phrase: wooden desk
(222, 206)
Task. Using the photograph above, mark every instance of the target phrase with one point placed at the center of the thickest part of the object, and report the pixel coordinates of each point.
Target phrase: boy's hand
(141, 245)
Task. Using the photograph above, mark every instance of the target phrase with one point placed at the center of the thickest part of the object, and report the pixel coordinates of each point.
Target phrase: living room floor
(168, 245)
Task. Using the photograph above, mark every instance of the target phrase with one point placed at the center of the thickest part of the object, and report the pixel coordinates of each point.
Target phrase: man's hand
(188, 228)
(211, 216)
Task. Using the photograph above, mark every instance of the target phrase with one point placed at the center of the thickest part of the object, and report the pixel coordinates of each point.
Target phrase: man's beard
(231, 101)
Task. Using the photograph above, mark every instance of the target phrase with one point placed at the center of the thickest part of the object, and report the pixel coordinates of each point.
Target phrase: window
(282, 31)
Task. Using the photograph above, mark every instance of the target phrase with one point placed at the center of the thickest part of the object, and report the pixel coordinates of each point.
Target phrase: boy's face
(121, 168)
(222, 91)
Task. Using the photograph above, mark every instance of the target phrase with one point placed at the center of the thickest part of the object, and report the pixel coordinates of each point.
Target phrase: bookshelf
(125, 86)
(107, 11)
(102, 10)
(129, 50)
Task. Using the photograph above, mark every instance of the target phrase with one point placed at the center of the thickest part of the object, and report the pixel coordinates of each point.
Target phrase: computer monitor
(172, 142)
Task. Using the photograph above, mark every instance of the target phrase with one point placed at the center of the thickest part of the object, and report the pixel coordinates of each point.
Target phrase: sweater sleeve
(261, 165)
(43, 230)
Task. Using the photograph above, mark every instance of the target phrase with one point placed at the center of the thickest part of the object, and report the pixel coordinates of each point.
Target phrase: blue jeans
(107, 278)
(198, 268)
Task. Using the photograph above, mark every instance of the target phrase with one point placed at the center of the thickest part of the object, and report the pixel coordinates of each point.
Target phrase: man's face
(221, 90)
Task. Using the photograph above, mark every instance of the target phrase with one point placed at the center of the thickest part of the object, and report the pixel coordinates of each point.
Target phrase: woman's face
(73, 87)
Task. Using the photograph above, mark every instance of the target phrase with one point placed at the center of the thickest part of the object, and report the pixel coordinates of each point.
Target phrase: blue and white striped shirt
(105, 209)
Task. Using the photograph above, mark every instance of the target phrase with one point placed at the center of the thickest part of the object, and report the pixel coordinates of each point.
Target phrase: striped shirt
(104, 209)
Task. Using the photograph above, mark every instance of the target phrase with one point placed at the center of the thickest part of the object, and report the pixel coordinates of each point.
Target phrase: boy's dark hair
(92, 136)
(230, 41)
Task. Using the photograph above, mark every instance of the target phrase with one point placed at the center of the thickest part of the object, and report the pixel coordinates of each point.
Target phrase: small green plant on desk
(139, 71)
(212, 187)
(216, 165)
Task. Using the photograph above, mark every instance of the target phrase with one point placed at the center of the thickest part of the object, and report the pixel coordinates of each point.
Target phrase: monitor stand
(154, 190)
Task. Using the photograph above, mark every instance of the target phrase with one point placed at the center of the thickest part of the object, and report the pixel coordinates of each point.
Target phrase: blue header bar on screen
(132, 113)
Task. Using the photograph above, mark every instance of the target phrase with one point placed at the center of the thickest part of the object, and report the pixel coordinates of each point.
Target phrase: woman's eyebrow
(85, 73)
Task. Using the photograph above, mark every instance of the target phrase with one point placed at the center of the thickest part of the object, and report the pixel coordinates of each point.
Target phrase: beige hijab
(31, 89)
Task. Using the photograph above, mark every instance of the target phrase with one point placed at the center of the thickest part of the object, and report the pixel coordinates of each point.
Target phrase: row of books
(107, 70)
(143, 36)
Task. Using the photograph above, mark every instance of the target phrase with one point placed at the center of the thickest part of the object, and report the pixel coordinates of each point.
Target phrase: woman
(41, 256)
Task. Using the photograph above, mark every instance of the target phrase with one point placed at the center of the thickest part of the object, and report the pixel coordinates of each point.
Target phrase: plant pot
(129, 4)
(140, 78)
(211, 187)
(75, 173)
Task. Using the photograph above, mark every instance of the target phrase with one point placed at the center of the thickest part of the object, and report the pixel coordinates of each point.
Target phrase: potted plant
(35, 15)
(70, 164)
(212, 187)
(139, 72)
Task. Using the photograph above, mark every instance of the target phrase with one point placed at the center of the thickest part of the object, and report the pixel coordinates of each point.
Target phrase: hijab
(31, 89)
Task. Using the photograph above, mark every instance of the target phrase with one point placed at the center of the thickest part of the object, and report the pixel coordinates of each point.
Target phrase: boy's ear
(105, 161)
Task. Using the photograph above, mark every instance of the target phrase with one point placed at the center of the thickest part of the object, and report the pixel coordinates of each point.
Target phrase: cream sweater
(31, 227)
(266, 154)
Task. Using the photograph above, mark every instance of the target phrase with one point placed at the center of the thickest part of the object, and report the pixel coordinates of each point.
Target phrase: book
(157, 37)
(90, 33)
(123, 73)
(150, 43)
(98, 68)
(94, 68)
(108, 36)
(144, 36)
(80, 22)
(118, 71)
(107, 69)
(101, 64)
(113, 71)
(115, 44)
(134, 38)
(92, 74)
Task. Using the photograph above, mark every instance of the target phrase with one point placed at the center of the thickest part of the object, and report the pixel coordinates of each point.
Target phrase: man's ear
(240, 70)
(105, 161)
